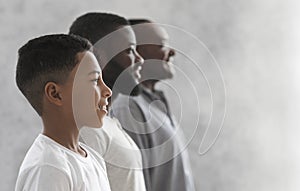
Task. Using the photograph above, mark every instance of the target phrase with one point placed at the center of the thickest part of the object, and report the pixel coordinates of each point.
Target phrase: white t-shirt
(122, 156)
(50, 166)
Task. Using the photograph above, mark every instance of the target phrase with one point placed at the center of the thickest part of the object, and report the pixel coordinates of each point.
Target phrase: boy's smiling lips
(102, 107)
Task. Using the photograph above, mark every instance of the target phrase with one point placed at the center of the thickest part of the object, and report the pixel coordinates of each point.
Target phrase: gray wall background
(255, 43)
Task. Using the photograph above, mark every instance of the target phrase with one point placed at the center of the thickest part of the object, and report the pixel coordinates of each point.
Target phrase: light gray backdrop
(255, 45)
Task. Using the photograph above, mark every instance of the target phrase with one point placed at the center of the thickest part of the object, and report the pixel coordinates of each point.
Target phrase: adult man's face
(158, 56)
(122, 72)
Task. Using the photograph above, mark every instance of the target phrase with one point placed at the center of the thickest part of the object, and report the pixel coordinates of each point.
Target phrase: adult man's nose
(172, 52)
(139, 58)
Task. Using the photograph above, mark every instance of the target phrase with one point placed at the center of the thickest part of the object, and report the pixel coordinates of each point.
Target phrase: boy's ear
(53, 93)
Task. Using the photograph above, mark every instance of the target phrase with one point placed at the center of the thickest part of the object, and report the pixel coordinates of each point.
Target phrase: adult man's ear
(53, 94)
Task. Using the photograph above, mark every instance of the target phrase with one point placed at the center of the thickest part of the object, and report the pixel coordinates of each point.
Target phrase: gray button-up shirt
(148, 121)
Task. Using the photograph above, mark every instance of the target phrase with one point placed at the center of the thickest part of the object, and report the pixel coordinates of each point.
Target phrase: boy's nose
(106, 91)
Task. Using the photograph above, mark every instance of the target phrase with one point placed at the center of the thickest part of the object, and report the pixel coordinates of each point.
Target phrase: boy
(49, 69)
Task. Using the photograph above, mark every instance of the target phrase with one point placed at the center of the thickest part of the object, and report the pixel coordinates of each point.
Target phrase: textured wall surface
(255, 45)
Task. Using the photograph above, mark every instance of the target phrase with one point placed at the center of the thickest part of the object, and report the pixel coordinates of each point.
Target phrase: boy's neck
(66, 135)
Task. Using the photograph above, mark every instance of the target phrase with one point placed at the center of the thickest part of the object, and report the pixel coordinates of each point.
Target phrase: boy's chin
(100, 115)
(96, 123)
(90, 119)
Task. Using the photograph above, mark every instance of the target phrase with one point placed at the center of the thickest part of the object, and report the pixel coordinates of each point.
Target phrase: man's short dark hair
(44, 59)
(94, 26)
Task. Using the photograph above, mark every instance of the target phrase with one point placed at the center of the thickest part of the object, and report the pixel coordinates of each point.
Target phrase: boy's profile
(47, 70)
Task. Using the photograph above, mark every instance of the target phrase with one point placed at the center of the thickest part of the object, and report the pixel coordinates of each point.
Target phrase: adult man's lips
(170, 60)
(137, 73)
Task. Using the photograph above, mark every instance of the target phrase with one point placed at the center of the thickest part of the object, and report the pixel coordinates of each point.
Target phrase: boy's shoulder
(45, 152)
(48, 162)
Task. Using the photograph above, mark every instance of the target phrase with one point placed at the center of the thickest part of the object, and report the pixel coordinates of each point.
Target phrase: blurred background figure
(147, 117)
(122, 156)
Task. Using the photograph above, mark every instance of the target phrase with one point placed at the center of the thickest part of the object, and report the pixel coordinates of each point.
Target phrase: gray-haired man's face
(158, 56)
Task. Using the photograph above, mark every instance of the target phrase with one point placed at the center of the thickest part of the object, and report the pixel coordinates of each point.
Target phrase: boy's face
(158, 56)
(87, 92)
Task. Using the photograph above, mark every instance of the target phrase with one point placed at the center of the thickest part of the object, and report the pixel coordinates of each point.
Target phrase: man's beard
(120, 80)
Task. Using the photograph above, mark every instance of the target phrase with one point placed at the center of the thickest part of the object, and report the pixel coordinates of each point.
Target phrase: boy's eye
(95, 81)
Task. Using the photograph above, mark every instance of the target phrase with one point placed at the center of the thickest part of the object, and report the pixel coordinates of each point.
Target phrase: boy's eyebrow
(93, 72)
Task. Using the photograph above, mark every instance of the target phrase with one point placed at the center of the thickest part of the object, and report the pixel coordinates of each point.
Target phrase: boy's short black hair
(44, 59)
(138, 21)
(94, 26)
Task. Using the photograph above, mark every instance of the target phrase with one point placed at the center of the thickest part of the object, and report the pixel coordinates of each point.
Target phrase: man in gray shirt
(147, 117)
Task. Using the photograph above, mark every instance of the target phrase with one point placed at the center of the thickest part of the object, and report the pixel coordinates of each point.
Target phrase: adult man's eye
(130, 50)
(162, 46)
